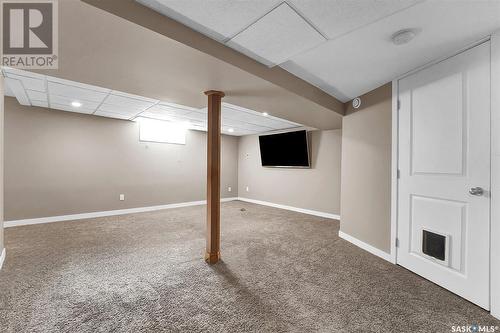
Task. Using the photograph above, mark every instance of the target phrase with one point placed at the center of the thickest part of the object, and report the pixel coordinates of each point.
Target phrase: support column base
(212, 257)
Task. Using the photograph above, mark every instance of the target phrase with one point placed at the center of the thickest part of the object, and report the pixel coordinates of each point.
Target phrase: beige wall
(317, 188)
(1, 159)
(59, 163)
(366, 169)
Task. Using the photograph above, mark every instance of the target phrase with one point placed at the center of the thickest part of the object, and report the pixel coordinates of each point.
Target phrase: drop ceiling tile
(29, 82)
(77, 84)
(278, 36)
(196, 115)
(76, 92)
(366, 58)
(218, 19)
(169, 110)
(169, 106)
(155, 115)
(69, 108)
(111, 115)
(18, 90)
(43, 104)
(335, 18)
(36, 95)
(123, 110)
(62, 100)
(129, 101)
(8, 91)
(243, 125)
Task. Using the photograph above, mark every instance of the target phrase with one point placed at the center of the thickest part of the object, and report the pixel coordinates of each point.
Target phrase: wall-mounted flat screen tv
(285, 150)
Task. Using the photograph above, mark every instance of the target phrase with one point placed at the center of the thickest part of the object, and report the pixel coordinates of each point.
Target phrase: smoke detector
(403, 36)
(356, 103)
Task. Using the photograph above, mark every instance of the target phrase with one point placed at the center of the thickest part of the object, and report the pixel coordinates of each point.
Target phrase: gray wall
(59, 163)
(366, 169)
(317, 188)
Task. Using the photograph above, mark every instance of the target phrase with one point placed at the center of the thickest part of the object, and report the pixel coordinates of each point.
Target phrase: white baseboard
(295, 209)
(2, 257)
(74, 217)
(366, 247)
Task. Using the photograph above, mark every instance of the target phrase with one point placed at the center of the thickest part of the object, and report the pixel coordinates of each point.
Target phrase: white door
(444, 166)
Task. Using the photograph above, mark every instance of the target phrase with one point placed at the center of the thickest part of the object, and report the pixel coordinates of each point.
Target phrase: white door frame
(495, 166)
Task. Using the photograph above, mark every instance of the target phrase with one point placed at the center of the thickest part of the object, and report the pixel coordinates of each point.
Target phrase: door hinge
(399, 104)
(398, 174)
(397, 242)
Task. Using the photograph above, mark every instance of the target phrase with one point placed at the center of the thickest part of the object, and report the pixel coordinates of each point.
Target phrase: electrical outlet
(248, 189)
(122, 197)
(229, 189)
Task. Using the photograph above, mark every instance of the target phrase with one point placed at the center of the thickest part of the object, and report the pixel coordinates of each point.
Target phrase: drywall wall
(316, 189)
(366, 169)
(59, 163)
(1, 159)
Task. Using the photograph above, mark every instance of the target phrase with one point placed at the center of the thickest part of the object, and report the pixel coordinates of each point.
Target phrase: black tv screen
(287, 150)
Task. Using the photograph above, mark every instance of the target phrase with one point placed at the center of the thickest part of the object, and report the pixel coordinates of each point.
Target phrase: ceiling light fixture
(265, 114)
(230, 130)
(76, 104)
(403, 36)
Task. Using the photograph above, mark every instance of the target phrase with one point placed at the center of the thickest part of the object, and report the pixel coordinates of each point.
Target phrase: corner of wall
(2, 96)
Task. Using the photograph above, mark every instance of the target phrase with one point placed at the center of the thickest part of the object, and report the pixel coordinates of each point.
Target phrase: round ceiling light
(403, 36)
(76, 104)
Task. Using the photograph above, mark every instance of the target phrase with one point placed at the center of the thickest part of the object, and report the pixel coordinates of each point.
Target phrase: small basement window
(152, 130)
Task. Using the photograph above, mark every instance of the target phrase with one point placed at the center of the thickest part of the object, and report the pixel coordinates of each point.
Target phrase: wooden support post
(212, 254)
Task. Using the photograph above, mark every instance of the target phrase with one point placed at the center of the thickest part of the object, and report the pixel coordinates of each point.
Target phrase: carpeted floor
(281, 272)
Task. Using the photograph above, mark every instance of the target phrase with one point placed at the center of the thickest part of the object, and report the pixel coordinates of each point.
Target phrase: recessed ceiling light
(403, 36)
(265, 114)
(76, 104)
(230, 130)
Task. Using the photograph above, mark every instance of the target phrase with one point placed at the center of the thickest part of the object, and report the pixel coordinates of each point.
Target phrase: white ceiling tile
(129, 101)
(169, 110)
(278, 36)
(8, 91)
(196, 115)
(364, 59)
(36, 95)
(43, 104)
(129, 111)
(169, 106)
(77, 84)
(243, 125)
(69, 108)
(155, 115)
(62, 100)
(219, 19)
(76, 93)
(111, 115)
(335, 18)
(18, 90)
(29, 82)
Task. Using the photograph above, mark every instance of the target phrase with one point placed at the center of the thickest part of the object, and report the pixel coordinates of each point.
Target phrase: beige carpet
(281, 272)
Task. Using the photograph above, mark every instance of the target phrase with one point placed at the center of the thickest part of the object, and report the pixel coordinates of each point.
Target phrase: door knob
(476, 191)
